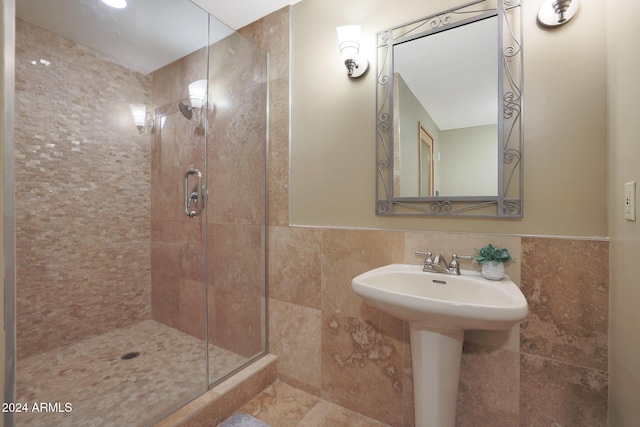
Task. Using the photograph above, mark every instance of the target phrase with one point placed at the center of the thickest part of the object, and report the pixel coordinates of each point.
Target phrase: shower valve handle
(196, 195)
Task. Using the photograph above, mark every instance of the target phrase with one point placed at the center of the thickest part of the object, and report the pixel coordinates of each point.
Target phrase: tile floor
(281, 405)
(105, 390)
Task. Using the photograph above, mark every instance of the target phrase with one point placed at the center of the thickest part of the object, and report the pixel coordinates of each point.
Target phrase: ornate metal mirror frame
(508, 202)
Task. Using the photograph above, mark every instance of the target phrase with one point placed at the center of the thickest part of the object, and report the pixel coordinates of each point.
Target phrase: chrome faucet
(439, 263)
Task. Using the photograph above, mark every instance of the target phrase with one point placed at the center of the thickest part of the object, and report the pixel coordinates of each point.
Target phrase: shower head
(186, 110)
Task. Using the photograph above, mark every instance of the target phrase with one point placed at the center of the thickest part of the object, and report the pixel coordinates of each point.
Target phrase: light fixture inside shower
(117, 4)
(141, 118)
(197, 97)
(198, 101)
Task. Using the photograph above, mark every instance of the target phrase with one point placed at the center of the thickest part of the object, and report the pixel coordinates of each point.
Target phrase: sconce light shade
(139, 113)
(349, 44)
(198, 93)
(349, 40)
(140, 118)
(554, 13)
(198, 100)
(118, 4)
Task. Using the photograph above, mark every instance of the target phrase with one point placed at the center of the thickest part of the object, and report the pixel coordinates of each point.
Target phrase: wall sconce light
(117, 4)
(349, 43)
(554, 13)
(198, 100)
(197, 96)
(141, 118)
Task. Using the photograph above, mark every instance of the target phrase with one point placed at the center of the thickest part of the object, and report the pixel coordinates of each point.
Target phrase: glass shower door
(237, 204)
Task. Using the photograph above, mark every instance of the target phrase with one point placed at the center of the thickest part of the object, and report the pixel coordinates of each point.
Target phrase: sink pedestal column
(435, 356)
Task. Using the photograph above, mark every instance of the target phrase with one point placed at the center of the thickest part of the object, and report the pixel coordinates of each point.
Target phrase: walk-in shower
(140, 247)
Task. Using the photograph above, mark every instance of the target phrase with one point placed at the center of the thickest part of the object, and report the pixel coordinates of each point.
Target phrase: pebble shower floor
(98, 382)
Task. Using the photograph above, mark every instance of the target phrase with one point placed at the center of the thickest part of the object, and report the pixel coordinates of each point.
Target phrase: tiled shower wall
(234, 220)
(82, 193)
(177, 242)
(237, 154)
(550, 369)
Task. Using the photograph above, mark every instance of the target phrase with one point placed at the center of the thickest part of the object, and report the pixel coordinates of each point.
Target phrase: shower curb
(223, 400)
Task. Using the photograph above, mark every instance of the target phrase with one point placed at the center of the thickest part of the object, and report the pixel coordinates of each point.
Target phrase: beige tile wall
(237, 177)
(234, 221)
(178, 244)
(348, 353)
(82, 193)
(564, 341)
(329, 343)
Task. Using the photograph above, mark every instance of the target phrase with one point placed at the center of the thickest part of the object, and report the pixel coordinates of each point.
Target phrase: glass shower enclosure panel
(236, 204)
(111, 295)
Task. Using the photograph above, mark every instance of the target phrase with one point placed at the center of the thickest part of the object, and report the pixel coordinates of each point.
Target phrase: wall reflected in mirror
(446, 90)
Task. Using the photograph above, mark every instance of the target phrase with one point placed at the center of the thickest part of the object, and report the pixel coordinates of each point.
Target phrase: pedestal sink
(439, 308)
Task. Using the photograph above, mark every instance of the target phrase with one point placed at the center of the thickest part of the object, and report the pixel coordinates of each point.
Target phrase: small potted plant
(492, 260)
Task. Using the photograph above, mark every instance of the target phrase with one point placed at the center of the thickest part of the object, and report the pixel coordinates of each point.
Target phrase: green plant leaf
(492, 253)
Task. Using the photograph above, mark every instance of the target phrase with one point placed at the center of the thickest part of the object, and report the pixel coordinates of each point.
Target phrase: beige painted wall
(624, 154)
(333, 122)
(476, 145)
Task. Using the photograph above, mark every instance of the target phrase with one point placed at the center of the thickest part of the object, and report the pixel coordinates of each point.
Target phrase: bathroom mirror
(449, 121)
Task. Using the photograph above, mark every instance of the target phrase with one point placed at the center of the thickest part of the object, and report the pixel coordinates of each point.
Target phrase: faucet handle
(454, 266)
(427, 254)
(428, 262)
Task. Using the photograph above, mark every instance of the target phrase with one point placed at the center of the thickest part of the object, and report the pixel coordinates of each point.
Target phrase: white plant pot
(493, 270)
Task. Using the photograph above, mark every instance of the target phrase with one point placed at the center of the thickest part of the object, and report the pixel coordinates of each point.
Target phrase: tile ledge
(538, 236)
(182, 414)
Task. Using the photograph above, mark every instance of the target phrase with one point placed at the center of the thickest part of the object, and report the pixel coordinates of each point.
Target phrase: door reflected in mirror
(425, 166)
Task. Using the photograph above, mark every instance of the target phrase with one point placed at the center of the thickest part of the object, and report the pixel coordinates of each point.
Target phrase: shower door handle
(196, 195)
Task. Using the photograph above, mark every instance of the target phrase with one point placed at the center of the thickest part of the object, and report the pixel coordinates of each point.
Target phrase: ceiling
(148, 34)
(454, 74)
(239, 13)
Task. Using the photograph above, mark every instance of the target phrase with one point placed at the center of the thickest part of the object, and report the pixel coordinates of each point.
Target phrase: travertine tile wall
(237, 153)
(564, 341)
(177, 241)
(234, 219)
(331, 344)
(82, 193)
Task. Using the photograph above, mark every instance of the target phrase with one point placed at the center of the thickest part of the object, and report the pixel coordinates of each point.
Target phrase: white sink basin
(442, 301)
(439, 308)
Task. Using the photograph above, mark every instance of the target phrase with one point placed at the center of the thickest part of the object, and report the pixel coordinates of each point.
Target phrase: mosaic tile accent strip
(105, 390)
